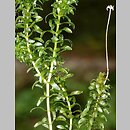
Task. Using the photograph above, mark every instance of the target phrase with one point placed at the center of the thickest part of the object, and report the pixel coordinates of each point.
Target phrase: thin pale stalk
(106, 42)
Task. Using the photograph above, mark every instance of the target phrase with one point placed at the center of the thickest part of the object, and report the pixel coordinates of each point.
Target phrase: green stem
(48, 99)
(47, 83)
(67, 99)
(71, 119)
(48, 89)
(94, 115)
(69, 106)
(29, 51)
(49, 79)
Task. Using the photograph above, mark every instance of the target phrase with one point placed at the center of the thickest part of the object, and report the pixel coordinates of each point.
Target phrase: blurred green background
(86, 60)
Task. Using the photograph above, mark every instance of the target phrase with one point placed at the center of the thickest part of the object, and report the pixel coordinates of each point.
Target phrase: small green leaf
(50, 49)
(97, 86)
(108, 86)
(102, 126)
(51, 24)
(38, 44)
(68, 48)
(38, 18)
(85, 112)
(30, 69)
(31, 41)
(39, 86)
(34, 84)
(104, 96)
(19, 25)
(39, 39)
(42, 52)
(38, 62)
(76, 93)
(47, 17)
(103, 117)
(94, 95)
(64, 70)
(37, 29)
(82, 120)
(72, 12)
(54, 39)
(54, 85)
(44, 120)
(99, 109)
(54, 115)
(69, 76)
(61, 118)
(106, 111)
(41, 99)
(37, 75)
(45, 125)
(63, 110)
(61, 127)
(38, 124)
(91, 121)
(91, 87)
(102, 103)
(95, 114)
(37, 108)
(68, 30)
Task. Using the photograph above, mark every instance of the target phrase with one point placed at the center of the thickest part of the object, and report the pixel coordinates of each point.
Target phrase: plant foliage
(43, 58)
(94, 115)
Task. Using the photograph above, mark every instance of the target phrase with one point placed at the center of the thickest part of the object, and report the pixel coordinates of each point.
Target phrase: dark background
(86, 60)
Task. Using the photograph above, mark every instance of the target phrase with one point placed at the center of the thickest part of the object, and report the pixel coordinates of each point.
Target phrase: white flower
(110, 7)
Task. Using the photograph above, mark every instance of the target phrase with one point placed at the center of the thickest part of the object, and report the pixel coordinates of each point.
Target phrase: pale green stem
(71, 119)
(48, 99)
(48, 90)
(94, 113)
(49, 79)
(33, 63)
(28, 48)
(69, 106)
(109, 8)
